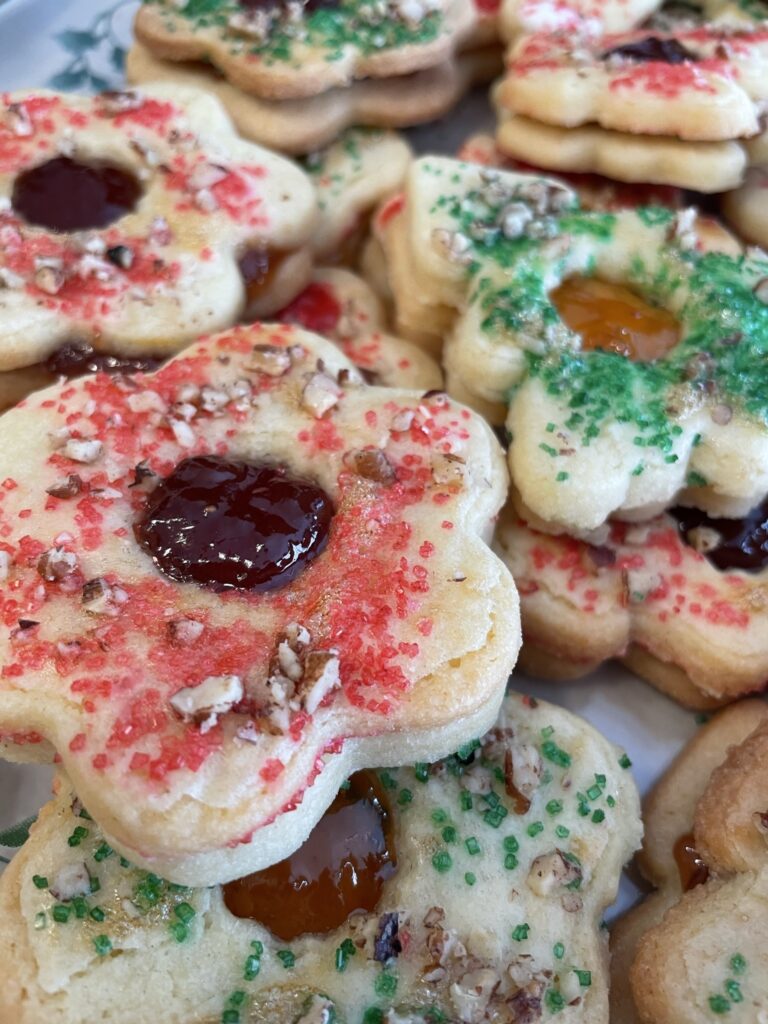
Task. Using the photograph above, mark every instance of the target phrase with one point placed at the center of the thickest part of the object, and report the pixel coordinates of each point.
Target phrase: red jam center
(342, 867)
(234, 525)
(652, 48)
(693, 870)
(611, 317)
(727, 543)
(78, 357)
(67, 195)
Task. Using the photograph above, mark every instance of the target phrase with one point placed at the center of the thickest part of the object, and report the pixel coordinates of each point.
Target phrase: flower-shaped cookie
(304, 125)
(136, 221)
(703, 84)
(282, 50)
(342, 307)
(228, 584)
(478, 888)
(521, 17)
(696, 951)
(679, 599)
(746, 207)
(633, 362)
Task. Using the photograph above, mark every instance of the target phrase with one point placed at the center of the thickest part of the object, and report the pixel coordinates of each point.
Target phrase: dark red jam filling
(231, 525)
(692, 869)
(341, 868)
(736, 543)
(78, 357)
(68, 195)
(652, 48)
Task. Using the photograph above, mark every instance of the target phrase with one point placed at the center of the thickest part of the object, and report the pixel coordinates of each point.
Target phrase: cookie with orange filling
(131, 223)
(466, 890)
(695, 951)
(625, 360)
(228, 584)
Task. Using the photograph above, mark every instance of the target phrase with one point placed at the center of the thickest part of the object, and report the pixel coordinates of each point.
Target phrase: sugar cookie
(515, 271)
(696, 951)
(208, 687)
(476, 901)
(746, 207)
(135, 221)
(522, 17)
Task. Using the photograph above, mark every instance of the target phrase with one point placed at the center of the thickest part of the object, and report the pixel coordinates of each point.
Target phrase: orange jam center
(341, 867)
(612, 317)
(693, 870)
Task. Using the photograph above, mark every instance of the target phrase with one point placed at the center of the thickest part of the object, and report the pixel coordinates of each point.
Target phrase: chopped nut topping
(452, 244)
(205, 702)
(321, 393)
(552, 871)
(56, 564)
(321, 677)
(68, 488)
(82, 449)
(448, 469)
(119, 101)
(121, 256)
(17, 120)
(185, 631)
(49, 279)
(269, 359)
(703, 539)
(387, 946)
(371, 464)
(100, 598)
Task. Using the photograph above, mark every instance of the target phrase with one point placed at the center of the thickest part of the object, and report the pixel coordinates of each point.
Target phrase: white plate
(79, 45)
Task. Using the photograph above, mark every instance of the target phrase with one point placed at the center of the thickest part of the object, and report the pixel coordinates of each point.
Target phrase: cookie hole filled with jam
(63, 194)
(258, 268)
(727, 543)
(691, 867)
(341, 868)
(231, 525)
(613, 318)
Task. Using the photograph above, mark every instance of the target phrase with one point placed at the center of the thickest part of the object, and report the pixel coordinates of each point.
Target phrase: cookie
(745, 208)
(703, 84)
(523, 17)
(136, 221)
(478, 882)
(701, 166)
(293, 51)
(302, 126)
(520, 281)
(679, 599)
(339, 305)
(207, 687)
(696, 950)
(351, 177)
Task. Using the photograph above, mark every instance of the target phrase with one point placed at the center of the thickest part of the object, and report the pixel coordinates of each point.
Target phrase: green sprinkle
(555, 754)
(472, 845)
(286, 958)
(421, 771)
(97, 914)
(179, 931)
(80, 908)
(95, 885)
(594, 792)
(385, 984)
(585, 977)
(387, 780)
(442, 861)
(559, 950)
(600, 779)
(449, 834)
(510, 861)
(535, 828)
(102, 944)
(552, 452)
(738, 964)
(78, 836)
(733, 991)
(719, 1004)
(343, 953)
(624, 762)
(554, 807)
(695, 479)
(547, 731)
(373, 1015)
(252, 967)
(40, 881)
(610, 801)
(230, 1017)
(598, 816)
(103, 851)
(465, 752)
(562, 476)
(562, 832)
(495, 815)
(470, 878)
(61, 913)
(405, 796)
(520, 932)
(638, 470)
(257, 947)
(439, 816)
(554, 1000)
(184, 912)
(511, 844)
(465, 800)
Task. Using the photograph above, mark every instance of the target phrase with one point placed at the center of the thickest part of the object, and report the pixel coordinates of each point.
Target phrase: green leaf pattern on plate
(96, 52)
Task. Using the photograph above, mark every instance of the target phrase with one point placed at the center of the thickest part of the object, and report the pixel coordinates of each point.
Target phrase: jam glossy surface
(258, 269)
(232, 525)
(342, 867)
(613, 318)
(693, 870)
(78, 357)
(67, 195)
(652, 48)
(740, 543)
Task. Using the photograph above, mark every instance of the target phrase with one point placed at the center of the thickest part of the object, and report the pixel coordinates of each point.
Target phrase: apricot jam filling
(613, 318)
(230, 525)
(259, 266)
(341, 868)
(693, 871)
(63, 194)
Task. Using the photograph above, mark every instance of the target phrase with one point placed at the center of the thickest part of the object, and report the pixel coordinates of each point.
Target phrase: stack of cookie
(677, 103)
(293, 75)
